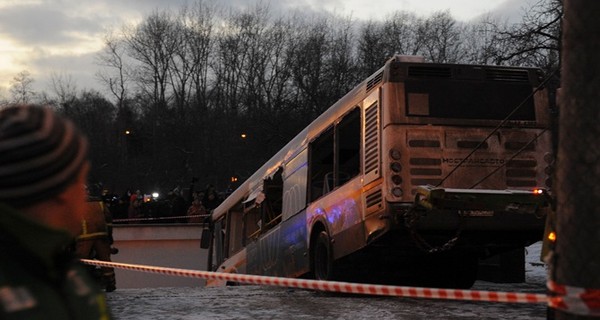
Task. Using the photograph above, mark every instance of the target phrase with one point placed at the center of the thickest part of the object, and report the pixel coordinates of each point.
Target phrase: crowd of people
(178, 206)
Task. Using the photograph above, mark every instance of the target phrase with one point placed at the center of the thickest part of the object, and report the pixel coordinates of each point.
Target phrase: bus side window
(235, 230)
(335, 155)
(273, 204)
(295, 189)
(219, 253)
(348, 147)
(252, 222)
(320, 163)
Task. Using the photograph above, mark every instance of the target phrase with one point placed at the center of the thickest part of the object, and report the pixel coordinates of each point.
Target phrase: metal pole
(577, 259)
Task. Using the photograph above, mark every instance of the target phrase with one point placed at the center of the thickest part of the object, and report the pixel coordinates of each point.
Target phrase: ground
(256, 302)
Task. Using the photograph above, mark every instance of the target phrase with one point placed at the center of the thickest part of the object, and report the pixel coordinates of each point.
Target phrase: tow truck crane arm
(518, 201)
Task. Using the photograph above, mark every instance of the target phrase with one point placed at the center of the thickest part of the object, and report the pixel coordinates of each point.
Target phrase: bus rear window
(464, 99)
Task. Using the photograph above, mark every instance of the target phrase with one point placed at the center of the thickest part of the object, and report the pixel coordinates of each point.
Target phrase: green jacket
(39, 278)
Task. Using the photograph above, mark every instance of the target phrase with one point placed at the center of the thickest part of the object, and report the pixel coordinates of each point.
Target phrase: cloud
(45, 25)
(41, 36)
(514, 10)
(63, 35)
(81, 69)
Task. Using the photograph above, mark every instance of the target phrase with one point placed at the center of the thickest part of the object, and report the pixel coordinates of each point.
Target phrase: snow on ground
(256, 302)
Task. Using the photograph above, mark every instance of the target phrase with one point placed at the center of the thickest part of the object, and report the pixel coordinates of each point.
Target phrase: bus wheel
(323, 264)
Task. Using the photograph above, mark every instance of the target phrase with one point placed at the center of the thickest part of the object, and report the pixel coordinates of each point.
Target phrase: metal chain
(411, 217)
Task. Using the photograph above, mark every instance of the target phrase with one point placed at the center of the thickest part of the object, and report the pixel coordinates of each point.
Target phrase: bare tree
(152, 44)
(21, 89)
(324, 63)
(95, 116)
(341, 59)
(236, 60)
(64, 88)
(198, 24)
(379, 41)
(309, 67)
(117, 77)
(237, 64)
(480, 43)
(535, 41)
(189, 78)
(273, 113)
(440, 36)
(401, 34)
(372, 49)
(181, 68)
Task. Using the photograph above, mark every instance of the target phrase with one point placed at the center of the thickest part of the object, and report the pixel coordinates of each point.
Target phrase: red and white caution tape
(580, 301)
(335, 286)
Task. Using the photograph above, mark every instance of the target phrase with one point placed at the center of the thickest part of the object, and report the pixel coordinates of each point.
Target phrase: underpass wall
(164, 245)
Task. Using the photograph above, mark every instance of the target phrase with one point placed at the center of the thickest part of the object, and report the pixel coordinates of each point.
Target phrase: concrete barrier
(164, 245)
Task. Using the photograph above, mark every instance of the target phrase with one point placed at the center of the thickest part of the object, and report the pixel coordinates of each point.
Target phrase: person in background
(95, 240)
(178, 206)
(135, 207)
(211, 198)
(196, 211)
(43, 170)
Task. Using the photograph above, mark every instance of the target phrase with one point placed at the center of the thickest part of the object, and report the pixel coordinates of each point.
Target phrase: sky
(62, 38)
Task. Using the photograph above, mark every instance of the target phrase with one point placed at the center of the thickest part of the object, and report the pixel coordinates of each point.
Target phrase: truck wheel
(458, 272)
(323, 261)
(464, 272)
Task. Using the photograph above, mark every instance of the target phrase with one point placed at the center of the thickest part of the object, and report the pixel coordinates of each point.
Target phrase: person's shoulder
(14, 275)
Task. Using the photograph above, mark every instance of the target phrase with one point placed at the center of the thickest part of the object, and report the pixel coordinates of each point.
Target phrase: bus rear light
(395, 154)
(397, 192)
(396, 166)
(397, 179)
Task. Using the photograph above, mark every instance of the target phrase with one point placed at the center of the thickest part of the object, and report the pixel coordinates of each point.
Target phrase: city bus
(413, 177)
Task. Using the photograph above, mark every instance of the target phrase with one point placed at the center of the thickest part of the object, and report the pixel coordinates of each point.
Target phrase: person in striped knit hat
(43, 171)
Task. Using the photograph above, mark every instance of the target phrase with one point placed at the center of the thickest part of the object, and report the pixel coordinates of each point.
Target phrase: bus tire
(323, 257)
